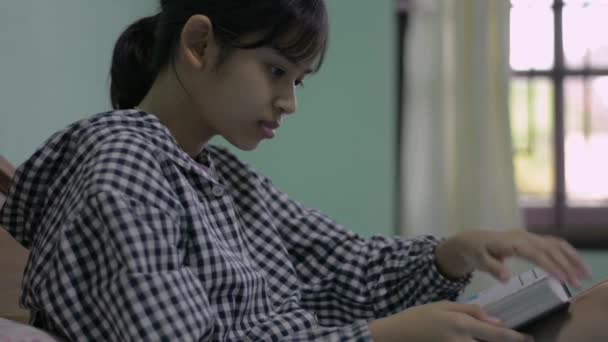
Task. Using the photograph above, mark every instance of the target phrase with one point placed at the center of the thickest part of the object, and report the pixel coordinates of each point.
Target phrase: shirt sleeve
(127, 284)
(117, 275)
(347, 277)
(117, 272)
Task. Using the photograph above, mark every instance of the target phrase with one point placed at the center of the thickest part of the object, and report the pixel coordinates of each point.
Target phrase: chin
(245, 145)
(248, 147)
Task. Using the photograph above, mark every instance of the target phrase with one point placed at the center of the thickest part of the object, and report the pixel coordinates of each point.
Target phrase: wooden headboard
(12, 258)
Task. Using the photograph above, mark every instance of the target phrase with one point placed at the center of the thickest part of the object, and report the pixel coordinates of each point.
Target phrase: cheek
(244, 91)
(255, 88)
(245, 99)
(251, 84)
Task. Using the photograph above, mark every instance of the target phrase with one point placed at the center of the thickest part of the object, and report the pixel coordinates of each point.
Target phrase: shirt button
(217, 191)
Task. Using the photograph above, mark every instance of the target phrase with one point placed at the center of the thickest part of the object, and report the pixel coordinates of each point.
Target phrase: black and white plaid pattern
(132, 239)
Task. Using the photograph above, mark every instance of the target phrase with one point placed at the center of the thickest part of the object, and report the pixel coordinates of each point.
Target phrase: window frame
(583, 226)
(402, 24)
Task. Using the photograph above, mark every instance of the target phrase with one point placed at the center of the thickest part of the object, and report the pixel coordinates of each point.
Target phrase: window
(559, 116)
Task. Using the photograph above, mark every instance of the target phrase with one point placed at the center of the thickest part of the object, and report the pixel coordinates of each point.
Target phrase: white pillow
(11, 331)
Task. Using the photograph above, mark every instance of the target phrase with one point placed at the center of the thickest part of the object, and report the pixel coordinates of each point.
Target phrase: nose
(287, 102)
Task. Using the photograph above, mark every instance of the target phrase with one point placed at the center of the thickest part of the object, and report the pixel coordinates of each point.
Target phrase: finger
(495, 267)
(574, 257)
(472, 310)
(576, 268)
(559, 257)
(491, 333)
(566, 268)
(536, 252)
(502, 247)
(559, 266)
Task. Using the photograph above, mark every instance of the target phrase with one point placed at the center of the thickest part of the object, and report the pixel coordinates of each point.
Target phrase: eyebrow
(291, 60)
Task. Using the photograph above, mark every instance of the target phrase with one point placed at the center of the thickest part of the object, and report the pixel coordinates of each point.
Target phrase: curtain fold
(457, 161)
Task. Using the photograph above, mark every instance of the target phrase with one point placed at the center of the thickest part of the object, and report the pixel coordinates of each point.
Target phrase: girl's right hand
(443, 321)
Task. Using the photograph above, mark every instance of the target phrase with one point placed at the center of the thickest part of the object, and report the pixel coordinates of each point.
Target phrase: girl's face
(248, 95)
(245, 97)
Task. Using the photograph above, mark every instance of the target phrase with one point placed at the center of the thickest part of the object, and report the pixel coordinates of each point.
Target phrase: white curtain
(457, 161)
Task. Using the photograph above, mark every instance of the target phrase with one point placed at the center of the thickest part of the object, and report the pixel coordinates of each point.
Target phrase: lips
(268, 128)
(270, 124)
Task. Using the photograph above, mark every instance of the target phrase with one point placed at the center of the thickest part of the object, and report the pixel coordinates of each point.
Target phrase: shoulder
(120, 126)
(129, 153)
(114, 138)
(99, 129)
(107, 153)
(121, 150)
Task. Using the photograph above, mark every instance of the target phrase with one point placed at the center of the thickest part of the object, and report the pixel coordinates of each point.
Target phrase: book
(524, 299)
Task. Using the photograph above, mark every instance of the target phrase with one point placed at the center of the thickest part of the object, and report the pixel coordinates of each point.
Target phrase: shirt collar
(202, 164)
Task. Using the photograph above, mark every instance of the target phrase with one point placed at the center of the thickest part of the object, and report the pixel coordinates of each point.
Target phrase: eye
(277, 72)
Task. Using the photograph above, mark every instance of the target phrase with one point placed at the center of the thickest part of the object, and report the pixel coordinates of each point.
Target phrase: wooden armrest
(25, 318)
(7, 171)
(13, 258)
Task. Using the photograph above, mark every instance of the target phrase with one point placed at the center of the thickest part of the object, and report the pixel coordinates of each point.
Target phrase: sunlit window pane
(532, 131)
(531, 37)
(585, 2)
(586, 141)
(585, 38)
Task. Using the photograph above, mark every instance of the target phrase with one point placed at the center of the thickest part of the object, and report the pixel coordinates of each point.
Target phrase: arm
(347, 277)
(112, 263)
(130, 285)
(117, 275)
(117, 270)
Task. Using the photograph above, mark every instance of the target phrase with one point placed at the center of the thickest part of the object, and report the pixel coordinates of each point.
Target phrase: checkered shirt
(133, 240)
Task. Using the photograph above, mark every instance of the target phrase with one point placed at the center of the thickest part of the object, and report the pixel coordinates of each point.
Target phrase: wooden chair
(13, 257)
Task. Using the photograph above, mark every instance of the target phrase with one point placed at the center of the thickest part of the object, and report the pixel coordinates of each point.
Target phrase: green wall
(54, 65)
(335, 154)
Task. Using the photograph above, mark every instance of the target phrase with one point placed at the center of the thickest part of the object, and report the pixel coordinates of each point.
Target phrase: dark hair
(298, 29)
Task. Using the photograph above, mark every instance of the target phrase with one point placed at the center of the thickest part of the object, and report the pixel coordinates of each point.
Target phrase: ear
(197, 42)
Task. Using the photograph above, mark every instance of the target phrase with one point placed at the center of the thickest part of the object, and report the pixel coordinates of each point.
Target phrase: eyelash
(274, 70)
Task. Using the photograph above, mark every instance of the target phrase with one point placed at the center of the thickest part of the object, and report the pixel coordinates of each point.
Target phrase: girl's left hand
(486, 251)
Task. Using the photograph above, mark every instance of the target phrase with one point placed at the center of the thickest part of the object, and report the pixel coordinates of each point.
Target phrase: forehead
(272, 55)
(293, 47)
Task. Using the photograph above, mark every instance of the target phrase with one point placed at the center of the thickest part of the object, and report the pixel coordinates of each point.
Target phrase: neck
(169, 101)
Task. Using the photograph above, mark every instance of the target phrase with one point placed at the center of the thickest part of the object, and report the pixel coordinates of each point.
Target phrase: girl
(140, 230)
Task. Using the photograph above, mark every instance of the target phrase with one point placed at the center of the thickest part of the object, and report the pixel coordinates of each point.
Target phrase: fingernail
(575, 282)
(492, 319)
(562, 277)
